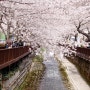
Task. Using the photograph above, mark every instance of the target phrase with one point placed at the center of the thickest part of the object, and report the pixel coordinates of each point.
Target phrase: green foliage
(2, 36)
(38, 58)
(32, 79)
(9, 72)
(64, 75)
(42, 49)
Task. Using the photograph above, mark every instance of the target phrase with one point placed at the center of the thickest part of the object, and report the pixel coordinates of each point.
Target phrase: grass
(33, 78)
(64, 76)
(38, 58)
(31, 81)
(7, 73)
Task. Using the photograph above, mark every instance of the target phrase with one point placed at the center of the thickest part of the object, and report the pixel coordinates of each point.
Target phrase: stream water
(52, 78)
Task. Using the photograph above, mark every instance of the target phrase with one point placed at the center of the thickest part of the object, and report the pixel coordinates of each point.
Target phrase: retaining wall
(82, 65)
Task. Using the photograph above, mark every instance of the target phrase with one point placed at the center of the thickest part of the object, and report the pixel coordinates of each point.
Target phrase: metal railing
(83, 52)
(9, 56)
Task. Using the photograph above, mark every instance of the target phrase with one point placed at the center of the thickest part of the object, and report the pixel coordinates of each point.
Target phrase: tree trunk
(8, 30)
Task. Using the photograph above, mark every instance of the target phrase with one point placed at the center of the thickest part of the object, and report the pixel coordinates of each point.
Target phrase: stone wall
(82, 65)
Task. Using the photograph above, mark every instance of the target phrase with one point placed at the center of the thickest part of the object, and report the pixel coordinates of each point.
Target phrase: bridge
(12, 55)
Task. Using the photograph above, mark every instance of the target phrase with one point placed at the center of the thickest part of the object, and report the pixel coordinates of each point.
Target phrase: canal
(52, 77)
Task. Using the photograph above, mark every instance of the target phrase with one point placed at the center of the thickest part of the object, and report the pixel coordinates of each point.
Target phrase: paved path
(74, 76)
(52, 79)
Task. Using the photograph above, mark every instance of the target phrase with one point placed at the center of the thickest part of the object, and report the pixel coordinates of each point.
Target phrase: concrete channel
(18, 78)
(52, 77)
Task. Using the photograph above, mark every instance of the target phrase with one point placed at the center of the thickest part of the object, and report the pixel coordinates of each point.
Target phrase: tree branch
(85, 34)
(85, 22)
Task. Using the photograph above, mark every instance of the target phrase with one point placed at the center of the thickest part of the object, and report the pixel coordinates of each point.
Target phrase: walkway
(52, 79)
(75, 78)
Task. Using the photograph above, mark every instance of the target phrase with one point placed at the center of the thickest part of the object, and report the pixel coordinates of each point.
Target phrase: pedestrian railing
(83, 53)
(11, 55)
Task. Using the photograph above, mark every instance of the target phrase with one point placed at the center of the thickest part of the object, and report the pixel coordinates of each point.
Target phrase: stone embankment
(16, 76)
(73, 74)
(83, 67)
(34, 75)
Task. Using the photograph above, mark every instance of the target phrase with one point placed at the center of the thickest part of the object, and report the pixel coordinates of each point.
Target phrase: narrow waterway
(52, 78)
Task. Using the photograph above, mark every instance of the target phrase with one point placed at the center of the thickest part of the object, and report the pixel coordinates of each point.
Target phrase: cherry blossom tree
(47, 22)
(6, 16)
(81, 18)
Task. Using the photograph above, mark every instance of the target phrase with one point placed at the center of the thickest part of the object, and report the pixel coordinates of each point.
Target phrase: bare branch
(85, 22)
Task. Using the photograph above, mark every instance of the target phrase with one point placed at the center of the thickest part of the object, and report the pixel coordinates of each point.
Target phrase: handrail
(11, 55)
(83, 50)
